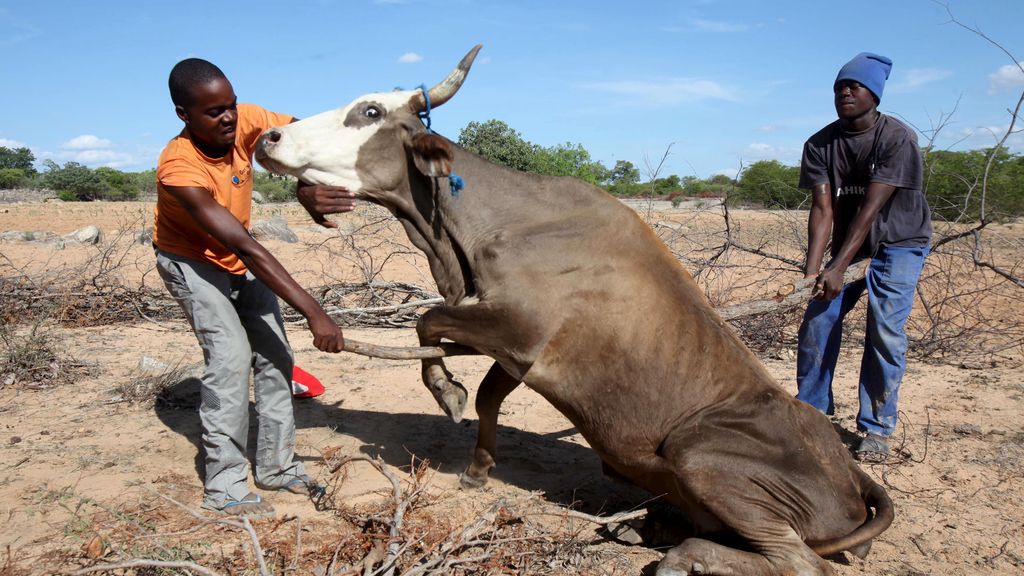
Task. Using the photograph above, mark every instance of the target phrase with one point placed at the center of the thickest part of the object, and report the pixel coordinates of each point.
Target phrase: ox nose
(267, 141)
(273, 135)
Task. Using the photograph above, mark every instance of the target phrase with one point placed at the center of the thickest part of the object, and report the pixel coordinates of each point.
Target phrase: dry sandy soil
(79, 462)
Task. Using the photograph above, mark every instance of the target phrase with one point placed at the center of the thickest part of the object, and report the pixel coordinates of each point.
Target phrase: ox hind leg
(494, 388)
(743, 506)
(787, 556)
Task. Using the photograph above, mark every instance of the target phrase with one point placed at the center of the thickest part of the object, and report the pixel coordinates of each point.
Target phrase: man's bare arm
(831, 279)
(226, 229)
(819, 228)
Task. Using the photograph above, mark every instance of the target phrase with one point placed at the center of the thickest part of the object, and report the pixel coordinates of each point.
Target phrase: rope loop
(425, 114)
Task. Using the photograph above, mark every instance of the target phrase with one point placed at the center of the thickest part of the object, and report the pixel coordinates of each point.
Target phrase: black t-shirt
(849, 161)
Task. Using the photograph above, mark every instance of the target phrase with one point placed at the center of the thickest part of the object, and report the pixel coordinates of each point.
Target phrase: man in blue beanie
(865, 173)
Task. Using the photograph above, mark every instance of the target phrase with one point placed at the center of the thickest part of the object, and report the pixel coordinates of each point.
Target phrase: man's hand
(327, 336)
(321, 200)
(829, 283)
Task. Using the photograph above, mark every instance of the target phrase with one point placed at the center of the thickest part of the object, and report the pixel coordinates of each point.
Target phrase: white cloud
(713, 26)
(718, 25)
(918, 77)
(986, 137)
(1007, 77)
(95, 158)
(93, 151)
(12, 143)
(762, 151)
(410, 58)
(86, 142)
(667, 92)
(768, 128)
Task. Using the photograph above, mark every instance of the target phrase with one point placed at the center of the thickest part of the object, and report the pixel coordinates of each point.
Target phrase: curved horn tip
(467, 60)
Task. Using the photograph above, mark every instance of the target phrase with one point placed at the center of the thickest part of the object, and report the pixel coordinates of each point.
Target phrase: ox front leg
(449, 393)
(494, 388)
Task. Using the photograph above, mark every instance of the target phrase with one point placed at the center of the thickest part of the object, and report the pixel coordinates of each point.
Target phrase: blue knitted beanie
(871, 70)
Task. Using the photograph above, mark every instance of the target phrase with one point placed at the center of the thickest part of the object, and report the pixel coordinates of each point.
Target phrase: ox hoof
(626, 532)
(470, 483)
(451, 396)
(668, 568)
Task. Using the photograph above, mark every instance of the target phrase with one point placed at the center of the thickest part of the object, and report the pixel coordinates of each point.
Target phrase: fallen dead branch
(497, 538)
(787, 297)
(182, 565)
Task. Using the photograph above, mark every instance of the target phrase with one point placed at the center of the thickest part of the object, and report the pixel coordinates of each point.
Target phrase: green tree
(145, 181)
(119, 185)
(18, 158)
(73, 181)
(953, 184)
(772, 184)
(12, 178)
(624, 172)
(499, 143)
(569, 160)
(274, 188)
(623, 179)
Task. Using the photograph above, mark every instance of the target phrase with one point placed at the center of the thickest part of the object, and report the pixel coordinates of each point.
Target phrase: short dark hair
(188, 73)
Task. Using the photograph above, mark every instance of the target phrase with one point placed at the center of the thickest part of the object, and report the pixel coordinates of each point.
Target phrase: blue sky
(724, 82)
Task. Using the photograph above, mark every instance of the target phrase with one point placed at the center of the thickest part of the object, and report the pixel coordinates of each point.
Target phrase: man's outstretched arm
(226, 229)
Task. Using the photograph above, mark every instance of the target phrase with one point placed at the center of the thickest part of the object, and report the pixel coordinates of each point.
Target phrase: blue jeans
(890, 282)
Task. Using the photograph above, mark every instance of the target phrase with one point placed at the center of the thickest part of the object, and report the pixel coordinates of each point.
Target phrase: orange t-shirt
(227, 179)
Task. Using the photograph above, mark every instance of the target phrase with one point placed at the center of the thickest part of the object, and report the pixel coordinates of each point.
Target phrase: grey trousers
(237, 321)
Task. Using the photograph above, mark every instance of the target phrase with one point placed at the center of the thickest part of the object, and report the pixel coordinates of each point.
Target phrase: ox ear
(432, 155)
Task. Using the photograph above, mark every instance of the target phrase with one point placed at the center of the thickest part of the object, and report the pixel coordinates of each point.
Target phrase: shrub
(772, 184)
(12, 178)
(73, 181)
(35, 359)
(119, 185)
(274, 188)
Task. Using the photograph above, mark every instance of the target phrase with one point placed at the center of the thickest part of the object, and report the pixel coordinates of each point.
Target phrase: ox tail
(880, 516)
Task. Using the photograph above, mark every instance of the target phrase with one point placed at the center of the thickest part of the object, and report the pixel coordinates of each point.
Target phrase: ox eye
(373, 112)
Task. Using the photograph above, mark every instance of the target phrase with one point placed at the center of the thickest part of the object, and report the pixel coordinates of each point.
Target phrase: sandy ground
(75, 459)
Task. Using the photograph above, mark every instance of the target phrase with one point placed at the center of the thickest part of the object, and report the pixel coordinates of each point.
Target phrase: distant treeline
(953, 180)
(74, 181)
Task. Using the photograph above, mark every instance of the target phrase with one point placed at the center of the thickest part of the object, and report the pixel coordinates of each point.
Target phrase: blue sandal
(304, 485)
(253, 508)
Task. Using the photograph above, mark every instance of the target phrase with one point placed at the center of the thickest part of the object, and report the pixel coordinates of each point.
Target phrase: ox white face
(324, 149)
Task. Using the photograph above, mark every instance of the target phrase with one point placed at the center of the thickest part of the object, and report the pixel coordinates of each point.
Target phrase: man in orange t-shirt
(228, 284)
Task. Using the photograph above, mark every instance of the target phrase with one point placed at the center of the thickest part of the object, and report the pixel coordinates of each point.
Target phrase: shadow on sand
(564, 471)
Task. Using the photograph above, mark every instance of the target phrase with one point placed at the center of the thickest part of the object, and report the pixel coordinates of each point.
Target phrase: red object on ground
(304, 384)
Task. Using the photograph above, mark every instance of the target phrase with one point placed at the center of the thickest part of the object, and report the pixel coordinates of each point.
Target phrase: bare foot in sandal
(252, 507)
(304, 485)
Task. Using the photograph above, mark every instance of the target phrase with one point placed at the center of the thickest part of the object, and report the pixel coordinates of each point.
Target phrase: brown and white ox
(571, 293)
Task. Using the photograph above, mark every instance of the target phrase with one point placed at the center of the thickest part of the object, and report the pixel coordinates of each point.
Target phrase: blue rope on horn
(455, 182)
(425, 114)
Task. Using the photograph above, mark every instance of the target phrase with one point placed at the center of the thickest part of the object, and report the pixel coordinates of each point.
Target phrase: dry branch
(243, 524)
(789, 296)
(182, 565)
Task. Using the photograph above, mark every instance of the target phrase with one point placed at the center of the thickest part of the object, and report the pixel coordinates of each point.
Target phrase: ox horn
(447, 88)
(442, 350)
